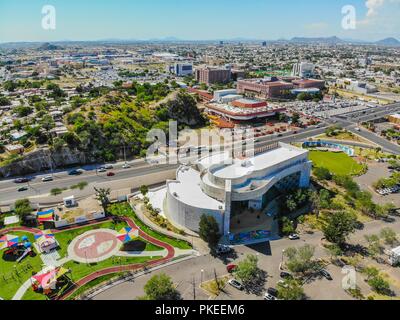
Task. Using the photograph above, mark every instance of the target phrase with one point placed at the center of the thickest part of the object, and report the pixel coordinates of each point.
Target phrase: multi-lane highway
(139, 168)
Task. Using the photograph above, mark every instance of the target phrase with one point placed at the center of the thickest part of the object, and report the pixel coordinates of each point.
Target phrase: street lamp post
(283, 253)
(202, 273)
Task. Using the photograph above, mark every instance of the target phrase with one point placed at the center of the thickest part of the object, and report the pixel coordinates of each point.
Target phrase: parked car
(101, 169)
(22, 189)
(272, 292)
(76, 172)
(286, 275)
(294, 236)
(231, 268)
(126, 166)
(222, 249)
(270, 297)
(110, 174)
(236, 284)
(108, 166)
(326, 274)
(21, 180)
(47, 179)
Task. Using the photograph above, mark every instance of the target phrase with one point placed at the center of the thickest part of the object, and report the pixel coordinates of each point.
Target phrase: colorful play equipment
(45, 216)
(46, 241)
(17, 247)
(47, 234)
(8, 241)
(50, 280)
(127, 234)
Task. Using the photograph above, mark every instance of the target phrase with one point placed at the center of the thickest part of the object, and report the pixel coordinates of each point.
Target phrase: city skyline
(138, 20)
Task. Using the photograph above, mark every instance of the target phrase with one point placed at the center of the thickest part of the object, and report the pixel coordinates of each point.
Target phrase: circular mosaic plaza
(94, 246)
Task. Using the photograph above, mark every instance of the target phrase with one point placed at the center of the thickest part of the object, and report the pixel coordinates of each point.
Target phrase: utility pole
(216, 279)
(194, 288)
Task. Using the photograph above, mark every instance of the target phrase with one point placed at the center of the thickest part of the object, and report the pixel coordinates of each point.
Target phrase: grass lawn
(337, 163)
(124, 210)
(17, 275)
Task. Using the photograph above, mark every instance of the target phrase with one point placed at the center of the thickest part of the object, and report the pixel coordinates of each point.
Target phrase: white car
(294, 237)
(270, 297)
(108, 166)
(236, 284)
(102, 169)
(47, 179)
(126, 166)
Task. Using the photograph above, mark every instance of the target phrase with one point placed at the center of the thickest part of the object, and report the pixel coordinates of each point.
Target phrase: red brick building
(212, 75)
(265, 89)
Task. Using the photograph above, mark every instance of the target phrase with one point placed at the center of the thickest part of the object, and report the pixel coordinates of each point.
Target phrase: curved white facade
(217, 181)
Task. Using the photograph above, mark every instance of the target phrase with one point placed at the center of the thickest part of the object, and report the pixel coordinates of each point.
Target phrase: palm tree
(102, 196)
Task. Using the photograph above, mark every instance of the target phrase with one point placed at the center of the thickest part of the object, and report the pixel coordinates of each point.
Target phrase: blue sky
(20, 20)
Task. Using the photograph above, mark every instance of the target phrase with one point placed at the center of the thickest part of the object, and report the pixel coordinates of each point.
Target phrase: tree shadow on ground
(134, 246)
(225, 258)
(257, 286)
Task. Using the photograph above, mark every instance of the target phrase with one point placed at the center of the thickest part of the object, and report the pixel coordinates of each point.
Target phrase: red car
(231, 268)
(110, 174)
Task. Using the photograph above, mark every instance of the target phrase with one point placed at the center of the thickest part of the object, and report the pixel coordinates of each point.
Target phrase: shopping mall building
(224, 187)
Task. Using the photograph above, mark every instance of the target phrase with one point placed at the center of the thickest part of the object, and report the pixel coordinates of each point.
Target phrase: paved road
(8, 189)
(270, 257)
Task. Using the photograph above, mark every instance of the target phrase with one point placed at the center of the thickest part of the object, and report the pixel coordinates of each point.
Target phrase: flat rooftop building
(210, 75)
(220, 185)
(264, 88)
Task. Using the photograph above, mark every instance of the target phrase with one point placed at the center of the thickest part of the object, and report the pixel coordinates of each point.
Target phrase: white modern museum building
(221, 186)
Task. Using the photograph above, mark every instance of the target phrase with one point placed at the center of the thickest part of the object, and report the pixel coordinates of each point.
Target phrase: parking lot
(377, 171)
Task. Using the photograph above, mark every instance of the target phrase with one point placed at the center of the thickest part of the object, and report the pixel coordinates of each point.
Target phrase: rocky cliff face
(45, 159)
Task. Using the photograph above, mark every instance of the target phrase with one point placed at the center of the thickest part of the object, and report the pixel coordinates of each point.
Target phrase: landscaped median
(155, 249)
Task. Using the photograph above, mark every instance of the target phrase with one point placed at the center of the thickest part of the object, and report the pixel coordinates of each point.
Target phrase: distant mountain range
(390, 42)
(335, 40)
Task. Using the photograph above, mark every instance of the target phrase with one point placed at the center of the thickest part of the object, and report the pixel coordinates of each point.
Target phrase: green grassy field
(337, 163)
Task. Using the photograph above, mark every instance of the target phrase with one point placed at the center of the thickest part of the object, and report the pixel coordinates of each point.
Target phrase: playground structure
(16, 248)
(52, 281)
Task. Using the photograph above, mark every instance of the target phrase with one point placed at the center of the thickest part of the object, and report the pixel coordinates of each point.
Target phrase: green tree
(22, 208)
(374, 245)
(287, 226)
(144, 190)
(160, 287)
(4, 101)
(102, 195)
(379, 285)
(371, 272)
(290, 289)
(247, 270)
(322, 173)
(209, 230)
(300, 260)
(389, 236)
(339, 226)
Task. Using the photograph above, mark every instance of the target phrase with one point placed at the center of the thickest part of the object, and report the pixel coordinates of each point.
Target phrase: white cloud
(373, 6)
